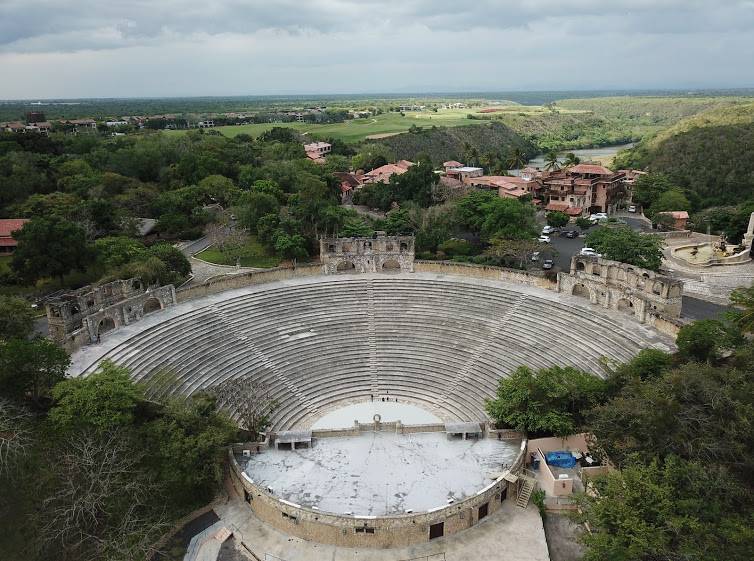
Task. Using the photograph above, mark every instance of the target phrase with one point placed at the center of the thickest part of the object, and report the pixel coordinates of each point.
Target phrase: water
(585, 154)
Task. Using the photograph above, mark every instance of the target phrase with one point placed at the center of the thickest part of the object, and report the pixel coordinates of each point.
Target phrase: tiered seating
(442, 343)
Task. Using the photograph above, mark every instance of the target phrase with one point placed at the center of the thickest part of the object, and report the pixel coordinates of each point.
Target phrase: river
(585, 155)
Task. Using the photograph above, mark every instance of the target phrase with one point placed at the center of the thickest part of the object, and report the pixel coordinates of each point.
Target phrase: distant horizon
(610, 92)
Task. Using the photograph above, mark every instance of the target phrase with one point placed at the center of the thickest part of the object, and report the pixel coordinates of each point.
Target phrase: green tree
(49, 247)
(571, 160)
(627, 246)
(29, 368)
(704, 340)
(667, 510)
(551, 161)
(16, 318)
(517, 159)
(105, 400)
(173, 258)
(290, 246)
(549, 401)
(253, 205)
(509, 219)
(557, 219)
(670, 200)
(114, 251)
(743, 300)
(519, 251)
(649, 187)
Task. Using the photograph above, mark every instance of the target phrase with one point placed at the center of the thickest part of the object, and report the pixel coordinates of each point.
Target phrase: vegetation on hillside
(704, 154)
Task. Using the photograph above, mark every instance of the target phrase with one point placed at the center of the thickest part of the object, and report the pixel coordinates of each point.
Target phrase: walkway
(510, 534)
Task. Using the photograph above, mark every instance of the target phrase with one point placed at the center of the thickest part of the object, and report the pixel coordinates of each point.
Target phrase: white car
(597, 216)
(543, 239)
(589, 252)
(632, 208)
(547, 230)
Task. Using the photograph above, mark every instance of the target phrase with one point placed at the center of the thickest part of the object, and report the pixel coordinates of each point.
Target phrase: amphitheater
(433, 341)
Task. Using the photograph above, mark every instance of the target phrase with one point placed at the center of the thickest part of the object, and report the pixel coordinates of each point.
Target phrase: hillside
(459, 143)
(709, 154)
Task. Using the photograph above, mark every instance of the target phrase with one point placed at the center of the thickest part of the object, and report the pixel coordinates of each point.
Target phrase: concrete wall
(388, 531)
(528, 278)
(553, 443)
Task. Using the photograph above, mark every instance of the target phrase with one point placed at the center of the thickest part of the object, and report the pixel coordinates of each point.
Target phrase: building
(7, 227)
(349, 182)
(383, 174)
(452, 164)
(207, 124)
(14, 126)
(464, 173)
(582, 189)
(79, 125)
(678, 219)
(507, 187)
(317, 150)
(367, 255)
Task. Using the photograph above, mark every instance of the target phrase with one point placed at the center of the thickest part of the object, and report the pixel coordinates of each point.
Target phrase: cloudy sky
(121, 48)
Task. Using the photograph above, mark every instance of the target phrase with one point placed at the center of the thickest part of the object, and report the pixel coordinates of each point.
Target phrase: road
(693, 308)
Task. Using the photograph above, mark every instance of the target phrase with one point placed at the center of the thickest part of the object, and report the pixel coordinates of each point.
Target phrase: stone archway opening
(105, 325)
(391, 266)
(346, 267)
(152, 305)
(626, 306)
(580, 290)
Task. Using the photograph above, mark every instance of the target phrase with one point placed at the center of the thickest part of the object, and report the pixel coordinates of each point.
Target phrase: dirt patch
(382, 135)
(562, 538)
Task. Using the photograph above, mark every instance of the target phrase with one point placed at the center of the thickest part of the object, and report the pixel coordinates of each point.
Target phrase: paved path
(510, 534)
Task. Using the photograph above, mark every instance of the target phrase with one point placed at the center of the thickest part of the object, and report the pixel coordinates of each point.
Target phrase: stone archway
(105, 325)
(580, 290)
(391, 266)
(346, 266)
(152, 305)
(625, 305)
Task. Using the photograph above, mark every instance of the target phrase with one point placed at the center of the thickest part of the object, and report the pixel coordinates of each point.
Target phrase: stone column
(749, 235)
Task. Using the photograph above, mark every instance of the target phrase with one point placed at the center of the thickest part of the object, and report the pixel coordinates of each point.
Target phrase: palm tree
(743, 299)
(571, 160)
(551, 161)
(517, 159)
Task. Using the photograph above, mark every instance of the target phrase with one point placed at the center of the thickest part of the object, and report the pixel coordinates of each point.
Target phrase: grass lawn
(252, 254)
(5, 263)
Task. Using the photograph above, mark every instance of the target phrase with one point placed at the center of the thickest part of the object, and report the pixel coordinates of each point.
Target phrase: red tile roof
(452, 164)
(9, 225)
(574, 211)
(560, 206)
(590, 168)
(677, 214)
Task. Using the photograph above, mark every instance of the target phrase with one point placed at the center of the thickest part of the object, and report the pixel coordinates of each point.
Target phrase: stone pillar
(749, 235)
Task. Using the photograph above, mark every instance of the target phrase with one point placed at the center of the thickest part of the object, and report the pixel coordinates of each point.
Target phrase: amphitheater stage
(510, 534)
(389, 411)
(379, 473)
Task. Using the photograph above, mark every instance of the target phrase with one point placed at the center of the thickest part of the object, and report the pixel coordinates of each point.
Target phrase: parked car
(597, 216)
(547, 264)
(547, 230)
(535, 256)
(589, 252)
(632, 208)
(570, 234)
(543, 239)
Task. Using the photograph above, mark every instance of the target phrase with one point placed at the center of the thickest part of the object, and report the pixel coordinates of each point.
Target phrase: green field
(251, 254)
(386, 124)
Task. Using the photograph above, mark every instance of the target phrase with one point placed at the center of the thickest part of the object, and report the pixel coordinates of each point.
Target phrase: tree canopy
(627, 246)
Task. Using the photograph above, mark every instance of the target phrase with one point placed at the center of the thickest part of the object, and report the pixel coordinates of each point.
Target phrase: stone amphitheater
(439, 341)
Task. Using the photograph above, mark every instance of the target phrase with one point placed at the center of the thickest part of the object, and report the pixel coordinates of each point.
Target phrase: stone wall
(83, 316)
(241, 280)
(529, 278)
(369, 531)
(367, 255)
(619, 286)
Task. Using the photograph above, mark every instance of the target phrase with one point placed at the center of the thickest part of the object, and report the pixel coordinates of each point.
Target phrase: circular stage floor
(382, 473)
(389, 411)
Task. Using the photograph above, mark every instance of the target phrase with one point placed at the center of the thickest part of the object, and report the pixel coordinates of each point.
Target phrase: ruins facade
(83, 316)
(623, 287)
(367, 255)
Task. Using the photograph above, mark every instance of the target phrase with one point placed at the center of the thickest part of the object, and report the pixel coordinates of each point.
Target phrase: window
(483, 510)
(436, 530)
(364, 530)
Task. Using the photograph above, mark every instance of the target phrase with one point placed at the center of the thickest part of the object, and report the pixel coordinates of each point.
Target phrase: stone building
(82, 316)
(620, 286)
(367, 255)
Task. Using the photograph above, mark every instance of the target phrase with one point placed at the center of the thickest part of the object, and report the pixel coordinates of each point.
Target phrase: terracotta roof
(590, 168)
(9, 225)
(677, 214)
(573, 211)
(383, 173)
(348, 178)
(560, 206)
(452, 164)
